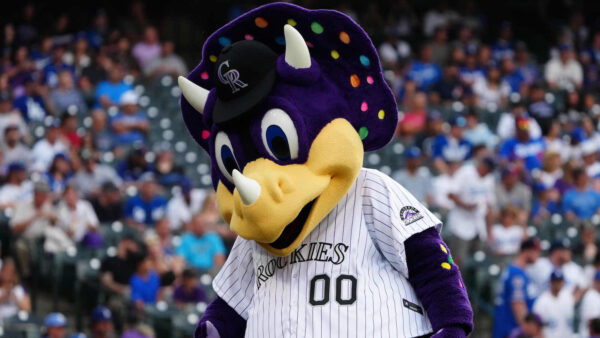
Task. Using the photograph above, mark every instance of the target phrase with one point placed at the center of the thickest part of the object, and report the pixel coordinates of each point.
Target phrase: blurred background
(108, 221)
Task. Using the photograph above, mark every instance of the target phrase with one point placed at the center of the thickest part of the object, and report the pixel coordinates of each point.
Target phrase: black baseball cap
(244, 75)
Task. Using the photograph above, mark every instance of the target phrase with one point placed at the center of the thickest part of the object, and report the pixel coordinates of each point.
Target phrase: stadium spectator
(13, 149)
(511, 75)
(77, 217)
(147, 49)
(108, 205)
(554, 141)
(102, 326)
(556, 307)
(59, 173)
(478, 133)
(10, 116)
(531, 328)
(92, 175)
(506, 236)
(13, 297)
(130, 125)
(559, 258)
(522, 149)
(101, 135)
(514, 300)
(413, 121)
(108, 93)
(66, 97)
(507, 125)
(424, 72)
(452, 145)
(551, 170)
(116, 271)
(183, 206)
(540, 109)
(167, 172)
(415, 178)
(564, 72)
(147, 207)
(55, 325)
(471, 72)
(440, 48)
(473, 198)
(29, 222)
(580, 202)
(590, 306)
(589, 155)
(443, 185)
(34, 104)
(134, 165)
(503, 48)
(587, 248)
(512, 192)
(491, 92)
(449, 87)
(201, 249)
(167, 63)
(188, 292)
(144, 284)
(17, 188)
(51, 70)
(545, 205)
(46, 149)
(69, 132)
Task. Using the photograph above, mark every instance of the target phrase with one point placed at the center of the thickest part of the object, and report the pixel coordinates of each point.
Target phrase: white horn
(193, 93)
(296, 50)
(248, 188)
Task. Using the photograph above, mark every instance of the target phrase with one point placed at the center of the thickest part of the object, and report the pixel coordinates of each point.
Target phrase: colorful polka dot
(335, 54)
(381, 114)
(460, 283)
(450, 259)
(291, 22)
(224, 41)
(364, 106)
(248, 37)
(310, 45)
(261, 22)
(441, 245)
(205, 134)
(363, 132)
(364, 60)
(344, 37)
(370, 79)
(446, 266)
(280, 40)
(204, 76)
(316, 27)
(213, 58)
(354, 80)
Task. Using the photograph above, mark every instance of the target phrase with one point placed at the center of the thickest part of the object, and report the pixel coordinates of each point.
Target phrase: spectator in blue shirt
(522, 148)
(452, 146)
(471, 72)
(580, 202)
(32, 105)
(423, 71)
(147, 207)
(51, 70)
(511, 75)
(144, 284)
(130, 124)
(514, 301)
(109, 92)
(503, 47)
(201, 249)
(134, 166)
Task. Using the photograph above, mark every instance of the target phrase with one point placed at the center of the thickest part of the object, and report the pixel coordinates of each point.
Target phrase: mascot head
(285, 101)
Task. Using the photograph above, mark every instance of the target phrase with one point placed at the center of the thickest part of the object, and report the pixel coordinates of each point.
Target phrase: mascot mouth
(293, 230)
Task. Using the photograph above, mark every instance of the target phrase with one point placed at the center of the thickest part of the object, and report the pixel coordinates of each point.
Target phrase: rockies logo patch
(409, 215)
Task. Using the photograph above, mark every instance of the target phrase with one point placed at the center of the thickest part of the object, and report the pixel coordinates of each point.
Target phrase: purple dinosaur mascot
(286, 101)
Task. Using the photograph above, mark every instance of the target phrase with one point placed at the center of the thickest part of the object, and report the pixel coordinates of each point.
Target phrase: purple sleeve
(227, 322)
(438, 284)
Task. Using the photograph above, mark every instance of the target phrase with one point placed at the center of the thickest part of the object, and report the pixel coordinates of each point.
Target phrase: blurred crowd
(501, 143)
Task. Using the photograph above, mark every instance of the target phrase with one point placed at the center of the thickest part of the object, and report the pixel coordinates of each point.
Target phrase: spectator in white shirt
(10, 116)
(183, 206)
(506, 237)
(507, 124)
(13, 297)
(491, 91)
(76, 216)
(564, 72)
(16, 188)
(46, 149)
(13, 149)
(444, 184)
(473, 199)
(590, 307)
(90, 178)
(556, 306)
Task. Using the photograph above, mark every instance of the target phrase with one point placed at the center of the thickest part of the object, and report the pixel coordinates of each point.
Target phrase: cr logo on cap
(230, 77)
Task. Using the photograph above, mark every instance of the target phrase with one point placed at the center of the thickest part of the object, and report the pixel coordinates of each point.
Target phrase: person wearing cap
(473, 199)
(590, 306)
(522, 148)
(9, 116)
(44, 151)
(108, 204)
(506, 128)
(13, 148)
(101, 324)
(183, 206)
(581, 202)
(90, 178)
(17, 188)
(147, 207)
(55, 325)
(589, 158)
(414, 177)
(29, 222)
(108, 92)
(559, 258)
(532, 327)
(514, 299)
(452, 144)
(556, 307)
(130, 125)
(564, 72)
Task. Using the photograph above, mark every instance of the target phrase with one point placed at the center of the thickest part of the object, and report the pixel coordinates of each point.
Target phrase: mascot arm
(438, 284)
(220, 321)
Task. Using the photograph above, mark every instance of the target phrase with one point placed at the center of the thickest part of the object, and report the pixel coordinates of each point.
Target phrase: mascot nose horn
(248, 188)
(193, 93)
(296, 50)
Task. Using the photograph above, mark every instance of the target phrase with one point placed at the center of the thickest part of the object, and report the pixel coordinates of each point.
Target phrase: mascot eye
(279, 135)
(224, 155)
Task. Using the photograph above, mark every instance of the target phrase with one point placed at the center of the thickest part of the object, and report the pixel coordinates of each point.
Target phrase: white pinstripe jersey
(348, 278)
